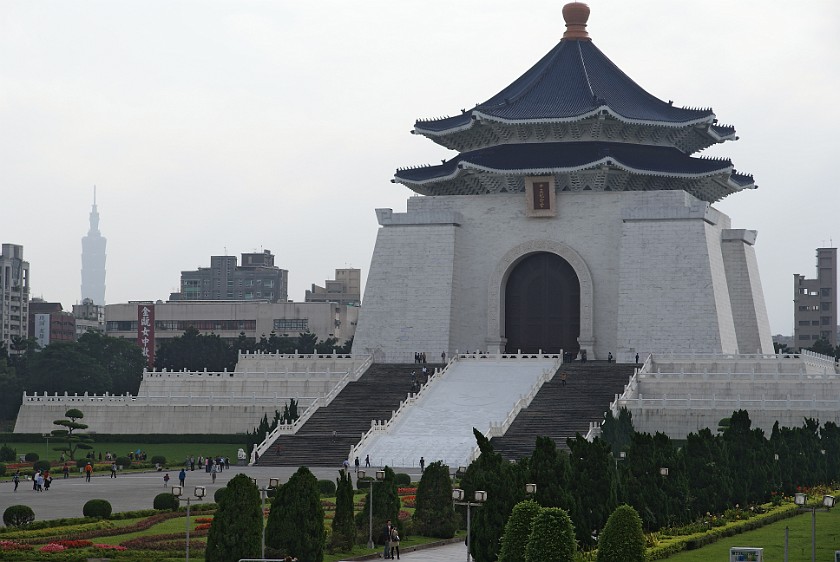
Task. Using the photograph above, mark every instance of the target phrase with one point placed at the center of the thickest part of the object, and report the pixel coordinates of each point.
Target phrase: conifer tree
(236, 530)
(623, 539)
(296, 520)
(343, 528)
(552, 537)
(386, 505)
(434, 515)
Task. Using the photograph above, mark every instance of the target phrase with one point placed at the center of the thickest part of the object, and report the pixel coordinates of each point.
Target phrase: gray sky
(212, 127)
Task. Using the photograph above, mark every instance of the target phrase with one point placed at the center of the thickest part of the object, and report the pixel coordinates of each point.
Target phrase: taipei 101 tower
(93, 260)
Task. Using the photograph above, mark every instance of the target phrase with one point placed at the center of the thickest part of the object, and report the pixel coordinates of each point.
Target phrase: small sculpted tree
(343, 527)
(552, 537)
(72, 437)
(236, 530)
(434, 515)
(517, 530)
(623, 539)
(296, 520)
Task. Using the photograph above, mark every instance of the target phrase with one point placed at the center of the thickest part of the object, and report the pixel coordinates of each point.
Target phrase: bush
(517, 530)
(434, 514)
(124, 462)
(18, 516)
(326, 487)
(31, 457)
(159, 459)
(219, 494)
(2, 469)
(41, 465)
(166, 501)
(402, 479)
(623, 539)
(552, 537)
(97, 508)
(237, 526)
(7, 453)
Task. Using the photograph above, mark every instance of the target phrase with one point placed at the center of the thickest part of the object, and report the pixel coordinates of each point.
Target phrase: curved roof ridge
(585, 71)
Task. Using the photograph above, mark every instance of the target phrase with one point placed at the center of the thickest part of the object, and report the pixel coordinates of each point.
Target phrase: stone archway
(497, 281)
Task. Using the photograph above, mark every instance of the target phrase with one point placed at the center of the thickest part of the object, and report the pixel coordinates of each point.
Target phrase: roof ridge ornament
(576, 15)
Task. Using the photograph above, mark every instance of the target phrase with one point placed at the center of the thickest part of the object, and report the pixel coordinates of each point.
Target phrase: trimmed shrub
(2, 469)
(237, 526)
(219, 494)
(517, 530)
(296, 520)
(18, 516)
(343, 528)
(166, 501)
(97, 508)
(41, 465)
(124, 462)
(623, 539)
(7, 453)
(552, 537)
(31, 457)
(326, 487)
(402, 479)
(159, 459)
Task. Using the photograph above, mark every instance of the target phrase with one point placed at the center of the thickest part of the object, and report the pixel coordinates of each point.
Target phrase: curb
(435, 544)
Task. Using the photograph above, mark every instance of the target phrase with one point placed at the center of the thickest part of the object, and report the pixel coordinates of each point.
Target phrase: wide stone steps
(376, 394)
(559, 411)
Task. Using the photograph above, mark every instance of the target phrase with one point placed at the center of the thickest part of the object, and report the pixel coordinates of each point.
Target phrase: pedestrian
(39, 482)
(386, 537)
(227, 463)
(443, 357)
(16, 479)
(47, 480)
(367, 461)
(35, 480)
(422, 465)
(113, 470)
(88, 471)
(563, 379)
(357, 465)
(213, 471)
(334, 435)
(182, 477)
(609, 357)
(637, 359)
(66, 471)
(345, 466)
(165, 480)
(395, 543)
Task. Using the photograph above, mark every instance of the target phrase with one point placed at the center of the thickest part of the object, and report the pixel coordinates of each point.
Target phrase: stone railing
(241, 375)
(166, 399)
(732, 403)
(291, 429)
(257, 355)
(630, 389)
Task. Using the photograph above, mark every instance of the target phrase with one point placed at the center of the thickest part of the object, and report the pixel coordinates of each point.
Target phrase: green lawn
(772, 539)
(174, 452)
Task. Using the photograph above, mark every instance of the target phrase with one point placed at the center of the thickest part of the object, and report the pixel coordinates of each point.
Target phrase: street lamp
(199, 493)
(530, 489)
(480, 497)
(801, 500)
(273, 483)
(380, 476)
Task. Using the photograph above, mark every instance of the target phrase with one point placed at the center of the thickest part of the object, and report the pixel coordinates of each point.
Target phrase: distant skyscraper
(93, 260)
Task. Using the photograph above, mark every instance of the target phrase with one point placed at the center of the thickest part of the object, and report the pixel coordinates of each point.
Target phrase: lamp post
(380, 476)
(199, 493)
(480, 497)
(273, 483)
(801, 500)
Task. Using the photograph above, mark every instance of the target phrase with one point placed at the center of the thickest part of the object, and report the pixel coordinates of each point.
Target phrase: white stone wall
(654, 261)
(752, 325)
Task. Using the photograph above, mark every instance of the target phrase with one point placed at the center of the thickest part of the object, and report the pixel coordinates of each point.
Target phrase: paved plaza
(129, 492)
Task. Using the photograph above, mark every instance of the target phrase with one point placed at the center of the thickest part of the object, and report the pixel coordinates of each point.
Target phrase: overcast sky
(229, 127)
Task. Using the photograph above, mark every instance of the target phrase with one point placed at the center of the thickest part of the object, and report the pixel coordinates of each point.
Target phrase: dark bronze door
(542, 305)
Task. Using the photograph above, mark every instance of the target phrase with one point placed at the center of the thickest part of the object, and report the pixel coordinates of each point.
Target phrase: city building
(228, 319)
(346, 288)
(256, 279)
(93, 259)
(573, 217)
(89, 317)
(49, 323)
(815, 303)
(14, 294)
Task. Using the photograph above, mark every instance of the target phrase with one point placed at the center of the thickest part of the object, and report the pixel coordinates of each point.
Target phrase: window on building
(825, 306)
(804, 323)
(291, 325)
(825, 320)
(825, 292)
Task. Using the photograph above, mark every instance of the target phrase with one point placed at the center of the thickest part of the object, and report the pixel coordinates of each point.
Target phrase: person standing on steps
(422, 465)
(367, 461)
(637, 359)
(563, 378)
(357, 464)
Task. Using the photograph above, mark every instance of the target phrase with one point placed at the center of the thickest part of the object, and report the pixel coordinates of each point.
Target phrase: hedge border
(150, 438)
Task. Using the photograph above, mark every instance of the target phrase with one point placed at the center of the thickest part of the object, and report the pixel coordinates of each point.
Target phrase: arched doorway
(542, 305)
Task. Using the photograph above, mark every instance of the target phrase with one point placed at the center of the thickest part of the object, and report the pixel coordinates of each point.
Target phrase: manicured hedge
(150, 438)
(97, 508)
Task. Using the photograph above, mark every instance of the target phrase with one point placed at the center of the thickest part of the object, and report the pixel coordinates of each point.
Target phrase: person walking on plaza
(165, 479)
(367, 461)
(395, 543)
(357, 465)
(182, 477)
(88, 471)
(422, 465)
(16, 479)
(113, 470)
(66, 471)
(213, 471)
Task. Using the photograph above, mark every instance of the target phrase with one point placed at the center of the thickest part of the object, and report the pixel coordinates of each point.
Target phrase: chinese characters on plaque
(146, 332)
(540, 197)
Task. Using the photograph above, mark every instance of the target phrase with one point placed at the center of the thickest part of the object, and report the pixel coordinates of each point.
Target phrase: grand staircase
(560, 411)
(374, 396)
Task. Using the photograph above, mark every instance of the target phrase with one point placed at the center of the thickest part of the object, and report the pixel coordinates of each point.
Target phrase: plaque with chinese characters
(540, 197)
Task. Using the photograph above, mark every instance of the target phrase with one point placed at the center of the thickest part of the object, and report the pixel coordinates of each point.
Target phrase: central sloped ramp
(560, 412)
(470, 393)
(374, 396)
